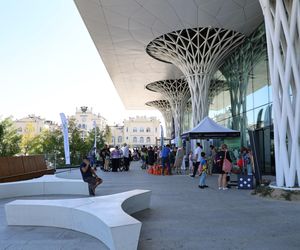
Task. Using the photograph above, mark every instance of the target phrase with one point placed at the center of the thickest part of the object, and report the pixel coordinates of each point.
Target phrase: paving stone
(181, 216)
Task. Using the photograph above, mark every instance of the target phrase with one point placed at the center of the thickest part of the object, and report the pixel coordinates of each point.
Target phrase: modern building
(240, 60)
(34, 125)
(85, 120)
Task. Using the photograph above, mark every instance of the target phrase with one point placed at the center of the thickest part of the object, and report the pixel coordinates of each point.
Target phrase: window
(148, 140)
(83, 126)
(155, 130)
(134, 139)
(20, 129)
(141, 139)
(126, 129)
(134, 130)
(148, 130)
(113, 139)
(79, 125)
(141, 129)
(119, 139)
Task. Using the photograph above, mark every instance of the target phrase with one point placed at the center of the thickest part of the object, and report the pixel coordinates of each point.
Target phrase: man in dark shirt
(89, 176)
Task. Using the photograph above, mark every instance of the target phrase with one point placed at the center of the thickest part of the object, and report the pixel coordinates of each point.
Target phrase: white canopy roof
(121, 30)
(207, 128)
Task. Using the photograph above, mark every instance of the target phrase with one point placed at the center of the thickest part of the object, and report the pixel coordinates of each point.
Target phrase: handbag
(227, 165)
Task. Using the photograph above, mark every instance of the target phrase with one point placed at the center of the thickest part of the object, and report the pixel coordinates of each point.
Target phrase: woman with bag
(223, 163)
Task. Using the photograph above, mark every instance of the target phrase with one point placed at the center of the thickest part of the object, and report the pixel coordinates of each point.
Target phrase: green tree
(9, 138)
(78, 146)
(100, 139)
(28, 139)
(49, 143)
(107, 134)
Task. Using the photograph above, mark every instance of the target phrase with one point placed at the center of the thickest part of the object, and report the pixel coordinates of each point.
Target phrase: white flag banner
(161, 136)
(64, 122)
(95, 127)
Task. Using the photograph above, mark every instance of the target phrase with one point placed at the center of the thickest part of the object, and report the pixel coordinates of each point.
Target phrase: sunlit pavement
(182, 216)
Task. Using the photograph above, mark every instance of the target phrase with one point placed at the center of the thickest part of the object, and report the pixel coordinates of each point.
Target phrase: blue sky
(49, 64)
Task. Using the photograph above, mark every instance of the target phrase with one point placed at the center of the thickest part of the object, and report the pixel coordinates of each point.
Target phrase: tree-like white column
(197, 52)
(177, 93)
(165, 108)
(282, 24)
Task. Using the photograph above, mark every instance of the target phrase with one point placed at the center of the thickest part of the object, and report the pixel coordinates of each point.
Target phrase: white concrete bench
(45, 185)
(104, 217)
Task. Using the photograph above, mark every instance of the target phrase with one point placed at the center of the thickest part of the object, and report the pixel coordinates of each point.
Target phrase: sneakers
(225, 188)
(220, 188)
(201, 187)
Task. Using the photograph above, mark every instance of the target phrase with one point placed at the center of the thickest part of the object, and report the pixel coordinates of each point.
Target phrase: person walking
(158, 153)
(203, 171)
(165, 159)
(197, 158)
(172, 157)
(144, 155)
(250, 166)
(191, 164)
(151, 157)
(126, 159)
(178, 160)
(115, 158)
(103, 153)
(247, 161)
(211, 159)
(224, 153)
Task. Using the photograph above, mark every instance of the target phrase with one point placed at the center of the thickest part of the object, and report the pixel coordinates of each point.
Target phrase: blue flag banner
(64, 123)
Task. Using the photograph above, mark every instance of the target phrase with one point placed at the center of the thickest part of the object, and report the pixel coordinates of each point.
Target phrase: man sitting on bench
(89, 176)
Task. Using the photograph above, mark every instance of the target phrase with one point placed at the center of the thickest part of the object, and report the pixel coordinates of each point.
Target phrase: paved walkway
(182, 216)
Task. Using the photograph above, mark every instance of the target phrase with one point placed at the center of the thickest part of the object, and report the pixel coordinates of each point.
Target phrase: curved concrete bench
(45, 185)
(104, 217)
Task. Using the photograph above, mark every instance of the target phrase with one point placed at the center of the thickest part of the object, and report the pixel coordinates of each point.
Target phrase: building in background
(136, 132)
(117, 135)
(141, 130)
(34, 125)
(84, 119)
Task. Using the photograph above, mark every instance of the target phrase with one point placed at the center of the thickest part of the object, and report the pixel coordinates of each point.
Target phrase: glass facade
(241, 97)
(244, 99)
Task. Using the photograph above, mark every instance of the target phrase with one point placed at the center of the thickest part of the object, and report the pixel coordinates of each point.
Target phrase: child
(183, 168)
(203, 171)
